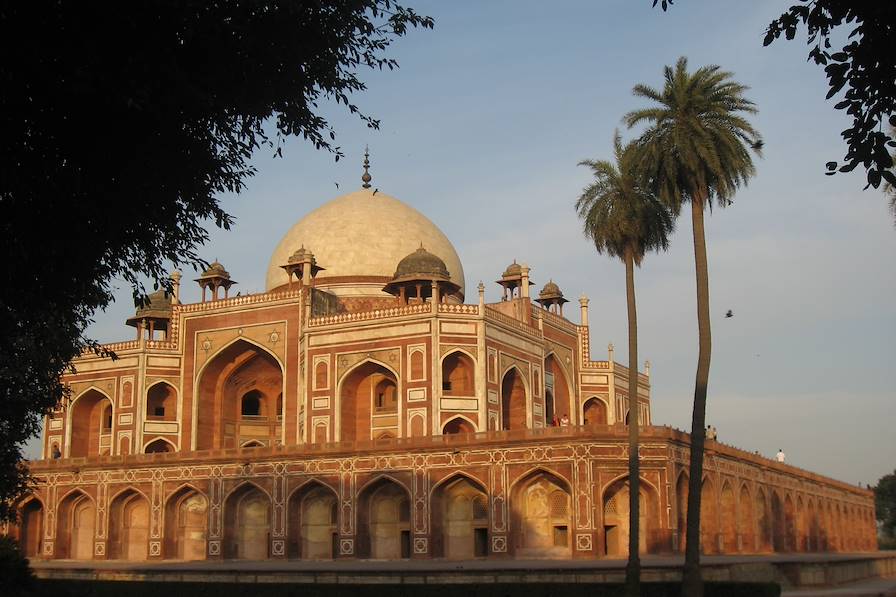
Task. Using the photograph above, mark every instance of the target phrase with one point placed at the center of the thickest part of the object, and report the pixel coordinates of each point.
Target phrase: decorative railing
(119, 346)
(557, 320)
(465, 309)
(605, 365)
(235, 301)
(373, 314)
(495, 315)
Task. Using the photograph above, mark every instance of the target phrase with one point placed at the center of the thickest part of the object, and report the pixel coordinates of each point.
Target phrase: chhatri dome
(360, 238)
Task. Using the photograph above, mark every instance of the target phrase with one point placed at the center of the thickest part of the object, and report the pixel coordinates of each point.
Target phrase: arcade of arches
(539, 513)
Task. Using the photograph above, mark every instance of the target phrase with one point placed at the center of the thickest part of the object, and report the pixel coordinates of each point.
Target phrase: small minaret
(215, 277)
(512, 280)
(303, 266)
(175, 287)
(551, 298)
(583, 303)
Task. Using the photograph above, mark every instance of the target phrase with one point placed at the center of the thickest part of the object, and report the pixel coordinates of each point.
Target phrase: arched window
(107, 418)
(457, 375)
(157, 447)
(161, 402)
(251, 404)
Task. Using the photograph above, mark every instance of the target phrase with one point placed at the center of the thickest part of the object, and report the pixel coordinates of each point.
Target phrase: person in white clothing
(780, 456)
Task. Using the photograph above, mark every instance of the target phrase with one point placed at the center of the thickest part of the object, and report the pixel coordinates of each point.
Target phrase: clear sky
(482, 128)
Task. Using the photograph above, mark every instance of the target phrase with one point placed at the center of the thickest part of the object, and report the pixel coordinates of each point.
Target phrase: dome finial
(366, 178)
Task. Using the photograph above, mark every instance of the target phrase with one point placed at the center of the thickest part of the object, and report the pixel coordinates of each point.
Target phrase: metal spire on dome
(366, 177)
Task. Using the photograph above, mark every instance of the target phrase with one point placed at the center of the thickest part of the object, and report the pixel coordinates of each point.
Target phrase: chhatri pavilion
(369, 404)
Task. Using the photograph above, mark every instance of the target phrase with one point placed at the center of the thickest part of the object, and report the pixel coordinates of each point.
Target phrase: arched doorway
(789, 524)
(128, 527)
(513, 400)
(247, 526)
(458, 425)
(384, 521)
(368, 403)
(76, 527)
(91, 425)
(541, 516)
(746, 521)
(238, 391)
(779, 524)
(709, 518)
(313, 523)
(31, 528)
(458, 377)
(594, 412)
(763, 523)
(616, 518)
(729, 520)
(460, 512)
(557, 389)
(186, 522)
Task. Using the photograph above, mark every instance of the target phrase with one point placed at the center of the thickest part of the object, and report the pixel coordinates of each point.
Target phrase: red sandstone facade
(322, 419)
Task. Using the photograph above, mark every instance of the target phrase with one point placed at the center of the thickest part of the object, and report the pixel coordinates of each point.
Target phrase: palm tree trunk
(633, 569)
(693, 582)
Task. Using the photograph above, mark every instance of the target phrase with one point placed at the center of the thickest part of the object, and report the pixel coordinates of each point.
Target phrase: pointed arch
(159, 445)
(779, 524)
(515, 399)
(746, 521)
(31, 513)
(709, 517)
(616, 508)
(218, 420)
(541, 515)
(247, 522)
(458, 424)
(186, 523)
(89, 423)
(75, 526)
(764, 522)
(312, 519)
(128, 526)
(789, 523)
(458, 373)
(728, 512)
(368, 402)
(595, 411)
(459, 518)
(161, 401)
(384, 519)
(562, 390)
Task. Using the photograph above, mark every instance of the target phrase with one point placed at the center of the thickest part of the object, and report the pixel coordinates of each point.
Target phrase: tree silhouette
(696, 150)
(625, 220)
(121, 126)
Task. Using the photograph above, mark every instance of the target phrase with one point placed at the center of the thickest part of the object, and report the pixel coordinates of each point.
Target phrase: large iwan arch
(237, 397)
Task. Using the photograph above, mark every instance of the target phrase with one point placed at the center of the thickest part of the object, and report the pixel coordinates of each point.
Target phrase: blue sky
(482, 128)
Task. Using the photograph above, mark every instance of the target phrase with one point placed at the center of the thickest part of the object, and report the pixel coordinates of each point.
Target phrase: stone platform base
(791, 571)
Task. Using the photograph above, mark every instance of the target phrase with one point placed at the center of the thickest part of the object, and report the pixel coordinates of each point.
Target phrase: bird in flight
(730, 313)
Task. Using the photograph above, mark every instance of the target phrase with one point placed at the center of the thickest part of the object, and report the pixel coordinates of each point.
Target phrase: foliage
(865, 65)
(618, 211)
(885, 505)
(696, 147)
(17, 577)
(120, 129)
(624, 219)
(695, 150)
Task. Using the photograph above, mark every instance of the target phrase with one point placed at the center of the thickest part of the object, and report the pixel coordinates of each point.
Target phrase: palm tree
(696, 149)
(624, 220)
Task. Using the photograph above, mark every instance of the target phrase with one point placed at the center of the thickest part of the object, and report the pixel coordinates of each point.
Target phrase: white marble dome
(359, 238)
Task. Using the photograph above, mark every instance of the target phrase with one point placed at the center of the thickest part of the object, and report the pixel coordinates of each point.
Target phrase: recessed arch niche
(237, 397)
